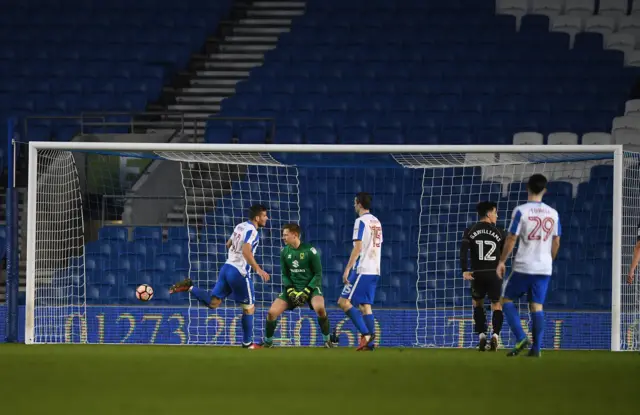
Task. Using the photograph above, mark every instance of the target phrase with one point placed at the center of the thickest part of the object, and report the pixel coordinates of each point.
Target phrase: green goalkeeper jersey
(301, 267)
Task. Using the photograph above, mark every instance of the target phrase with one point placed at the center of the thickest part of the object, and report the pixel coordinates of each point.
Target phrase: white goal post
(431, 192)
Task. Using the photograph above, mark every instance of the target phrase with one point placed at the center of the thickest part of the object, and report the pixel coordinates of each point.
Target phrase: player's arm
(247, 253)
(635, 260)
(464, 253)
(358, 232)
(555, 242)
(316, 269)
(510, 242)
(355, 253)
(228, 244)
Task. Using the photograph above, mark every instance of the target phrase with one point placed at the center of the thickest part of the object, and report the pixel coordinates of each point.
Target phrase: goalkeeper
(302, 281)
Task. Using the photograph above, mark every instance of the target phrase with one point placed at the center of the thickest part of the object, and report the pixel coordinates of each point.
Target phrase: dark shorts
(283, 296)
(486, 284)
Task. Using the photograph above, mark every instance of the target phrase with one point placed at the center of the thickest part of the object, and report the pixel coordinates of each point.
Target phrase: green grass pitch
(70, 379)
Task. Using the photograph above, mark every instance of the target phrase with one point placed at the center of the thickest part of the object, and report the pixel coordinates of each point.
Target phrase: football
(144, 292)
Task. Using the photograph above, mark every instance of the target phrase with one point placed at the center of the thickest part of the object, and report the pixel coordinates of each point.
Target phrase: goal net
(90, 246)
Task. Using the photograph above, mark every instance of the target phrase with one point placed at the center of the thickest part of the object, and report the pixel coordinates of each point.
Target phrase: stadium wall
(396, 327)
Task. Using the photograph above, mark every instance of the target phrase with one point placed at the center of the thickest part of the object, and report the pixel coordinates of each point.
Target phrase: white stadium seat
(614, 8)
(528, 138)
(562, 138)
(628, 137)
(630, 25)
(517, 8)
(580, 8)
(572, 25)
(626, 123)
(632, 107)
(596, 139)
(633, 58)
(600, 24)
(620, 41)
(549, 8)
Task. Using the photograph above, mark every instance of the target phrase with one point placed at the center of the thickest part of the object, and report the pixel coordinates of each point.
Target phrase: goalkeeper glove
(291, 294)
(303, 296)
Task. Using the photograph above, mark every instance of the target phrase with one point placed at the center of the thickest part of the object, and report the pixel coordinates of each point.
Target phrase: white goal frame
(615, 150)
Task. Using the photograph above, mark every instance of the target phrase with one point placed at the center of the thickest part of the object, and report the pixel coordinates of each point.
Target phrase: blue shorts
(361, 289)
(233, 285)
(534, 285)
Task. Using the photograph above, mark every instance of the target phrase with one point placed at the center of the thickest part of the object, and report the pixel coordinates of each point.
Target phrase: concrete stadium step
(274, 13)
(278, 4)
(233, 47)
(253, 30)
(265, 22)
(237, 57)
(224, 74)
(198, 82)
(222, 65)
(199, 99)
(194, 107)
(251, 39)
(206, 91)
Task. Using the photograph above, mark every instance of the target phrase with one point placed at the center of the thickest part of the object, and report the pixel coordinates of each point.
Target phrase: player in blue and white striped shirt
(234, 280)
(363, 271)
(537, 227)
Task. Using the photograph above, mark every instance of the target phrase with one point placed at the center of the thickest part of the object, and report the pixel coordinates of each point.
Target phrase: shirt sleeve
(358, 230)
(250, 237)
(464, 250)
(639, 232)
(557, 229)
(516, 222)
(284, 271)
(316, 269)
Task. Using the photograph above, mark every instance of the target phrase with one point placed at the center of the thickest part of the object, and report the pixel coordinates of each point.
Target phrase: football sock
(270, 330)
(356, 316)
(201, 294)
(325, 327)
(537, 329)
(513, 320)
(480, 319)
(496, 321)
(370, 322)
(247, 328)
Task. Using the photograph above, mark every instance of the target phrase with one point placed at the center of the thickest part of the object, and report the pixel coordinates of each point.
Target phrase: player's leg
(537, 296)
(317, 304)
(363, 294)
(242, 292)
(211, 299)
(478, 292)
(515, 287)
(345, 303)
(278, 307)
(497, 318)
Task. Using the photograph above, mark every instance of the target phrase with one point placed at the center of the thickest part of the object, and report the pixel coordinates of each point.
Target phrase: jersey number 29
(541, 225)
(489, 255)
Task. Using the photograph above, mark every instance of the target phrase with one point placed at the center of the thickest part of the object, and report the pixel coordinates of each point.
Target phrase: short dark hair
(364, 199)
(292, 227)
(483, 208)
(256, 210)
(537, 183)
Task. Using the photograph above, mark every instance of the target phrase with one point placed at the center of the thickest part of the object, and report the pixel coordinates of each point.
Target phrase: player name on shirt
(489, 232)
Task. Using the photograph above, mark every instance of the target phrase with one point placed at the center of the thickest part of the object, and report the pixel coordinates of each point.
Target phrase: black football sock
(271, 328)
(480, 319)
(325, 327)
(496, 321)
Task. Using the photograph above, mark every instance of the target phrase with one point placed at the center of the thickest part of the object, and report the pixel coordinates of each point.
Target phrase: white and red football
(144, 292)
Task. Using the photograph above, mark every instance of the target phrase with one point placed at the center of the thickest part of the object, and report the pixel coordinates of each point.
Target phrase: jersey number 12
(489, 255)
